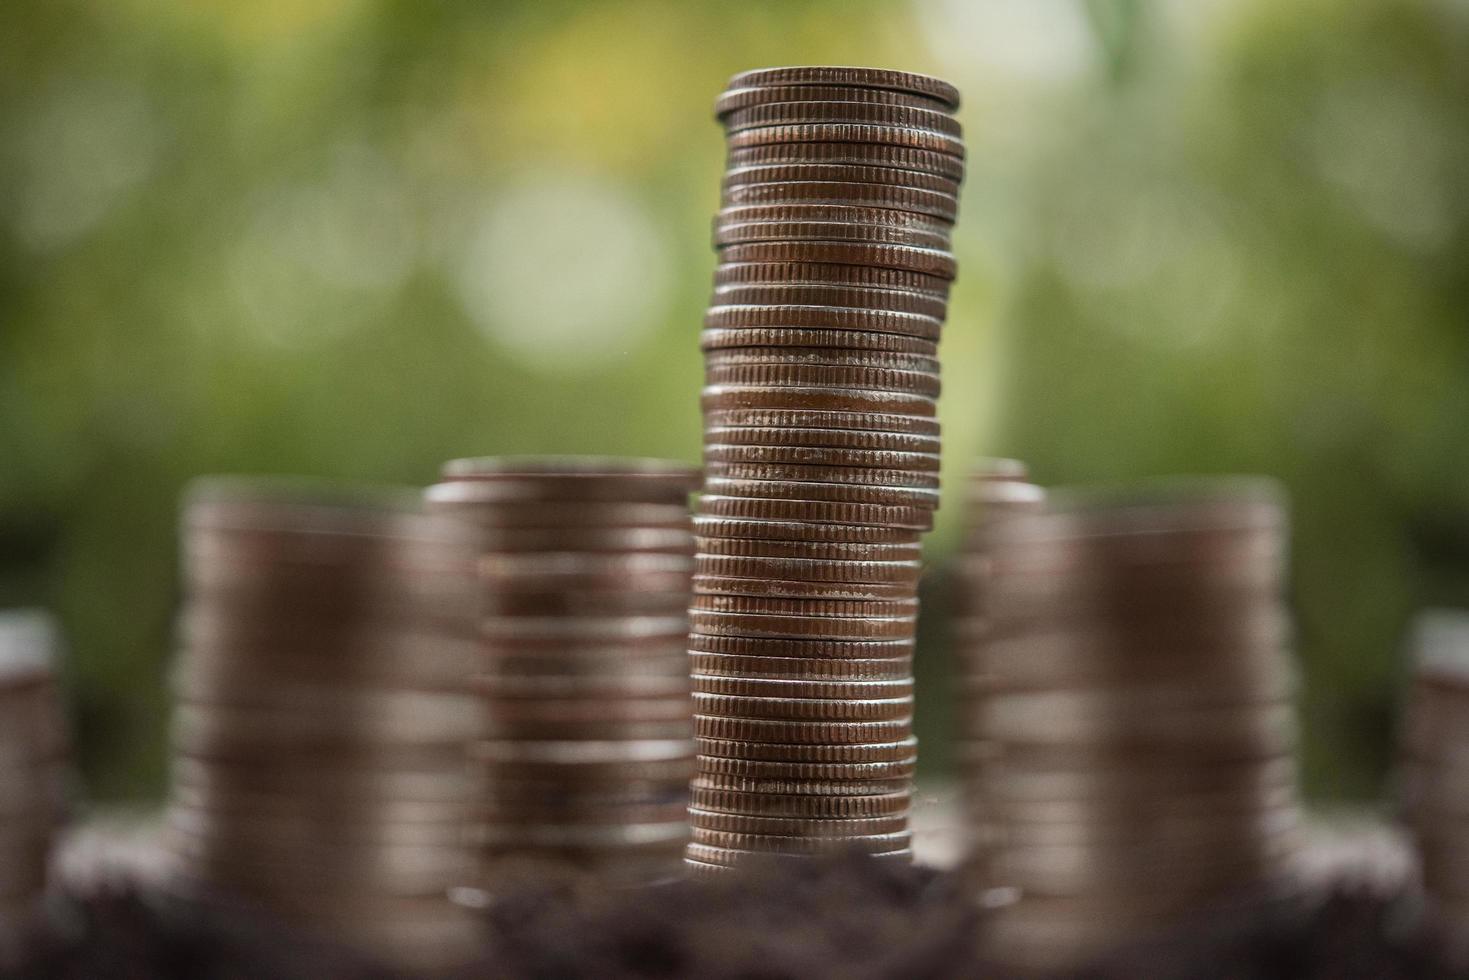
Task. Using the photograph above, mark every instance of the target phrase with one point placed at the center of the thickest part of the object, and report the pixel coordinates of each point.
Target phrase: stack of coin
(1435, 769)
(33, 766)
(584, 749)
(997, 489)
(821, 450)
(322, 714)
(1135, 716)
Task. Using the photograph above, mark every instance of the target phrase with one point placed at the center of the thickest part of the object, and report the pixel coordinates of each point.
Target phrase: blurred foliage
(355, 238)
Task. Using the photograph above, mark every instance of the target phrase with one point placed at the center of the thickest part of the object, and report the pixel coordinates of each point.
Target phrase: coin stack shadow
(1434, 771)
(584, 750)
(34, 770)
(322, 715)
(1136, 719)
(821, 449)
(998, 489)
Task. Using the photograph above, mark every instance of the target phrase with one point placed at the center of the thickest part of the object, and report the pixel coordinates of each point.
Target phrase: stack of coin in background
(1136, 718)
(998, 489)
(34, 768)
(1435, 770)
(821, 453)
(584, 750)
(323, 714)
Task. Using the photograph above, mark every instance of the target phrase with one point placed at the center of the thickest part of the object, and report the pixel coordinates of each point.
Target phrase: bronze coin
(876, 78)
(755, 686)
(816, 512)
(784, 173)
(826, 828)
(769, 730)
(732, 316)
(805, 113)
(779, 805)
(721, 767)
(818, 294)
(800, 272)
(930, 262)
(804, 709)
(900, 750)
(734, 99)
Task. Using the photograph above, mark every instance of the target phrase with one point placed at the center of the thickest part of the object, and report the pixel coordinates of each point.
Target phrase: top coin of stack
(584, 748)
(1135, 710)
(998, 489)
(821, 453)
(33, 764)
(1435, 769)
(322, 714)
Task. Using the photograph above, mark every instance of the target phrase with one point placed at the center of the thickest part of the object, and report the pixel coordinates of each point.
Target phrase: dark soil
(842, 918)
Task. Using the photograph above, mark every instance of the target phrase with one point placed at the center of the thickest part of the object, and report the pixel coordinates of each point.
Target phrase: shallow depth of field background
(355, 238)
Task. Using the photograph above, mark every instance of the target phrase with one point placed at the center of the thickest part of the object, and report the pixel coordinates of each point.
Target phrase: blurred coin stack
(997, 490)
(322, 713)
(1435, 770)
(1135, 715)
(821, 451)
(34, 766)
(584, 750)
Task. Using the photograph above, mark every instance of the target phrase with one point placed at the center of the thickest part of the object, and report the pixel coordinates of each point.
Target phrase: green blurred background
(356, 238)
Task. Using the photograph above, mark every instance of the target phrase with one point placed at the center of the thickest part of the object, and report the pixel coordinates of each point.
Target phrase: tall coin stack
(322, 715)
(1435, 770)
(584, 750)
(821, 451)
(34, 751)
(1137, 715)
(998, 489)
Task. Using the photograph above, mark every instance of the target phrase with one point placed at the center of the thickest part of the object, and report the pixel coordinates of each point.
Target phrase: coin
(870, 648)
(816, 511)
(823, 456)
(733, 98)
(815, 606)
(815, 828)
(787, 805)
(800, 271)
(810, 550)
(851, 440)
(765, 588)
(798, 668)
(857, 494)
(842, 772)
(801, 787)
(807, 708)
(809, 316)
(935, 204)
(820, 294)
(810, 112)
(787, 418)
(796, 532)
(876, 78)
